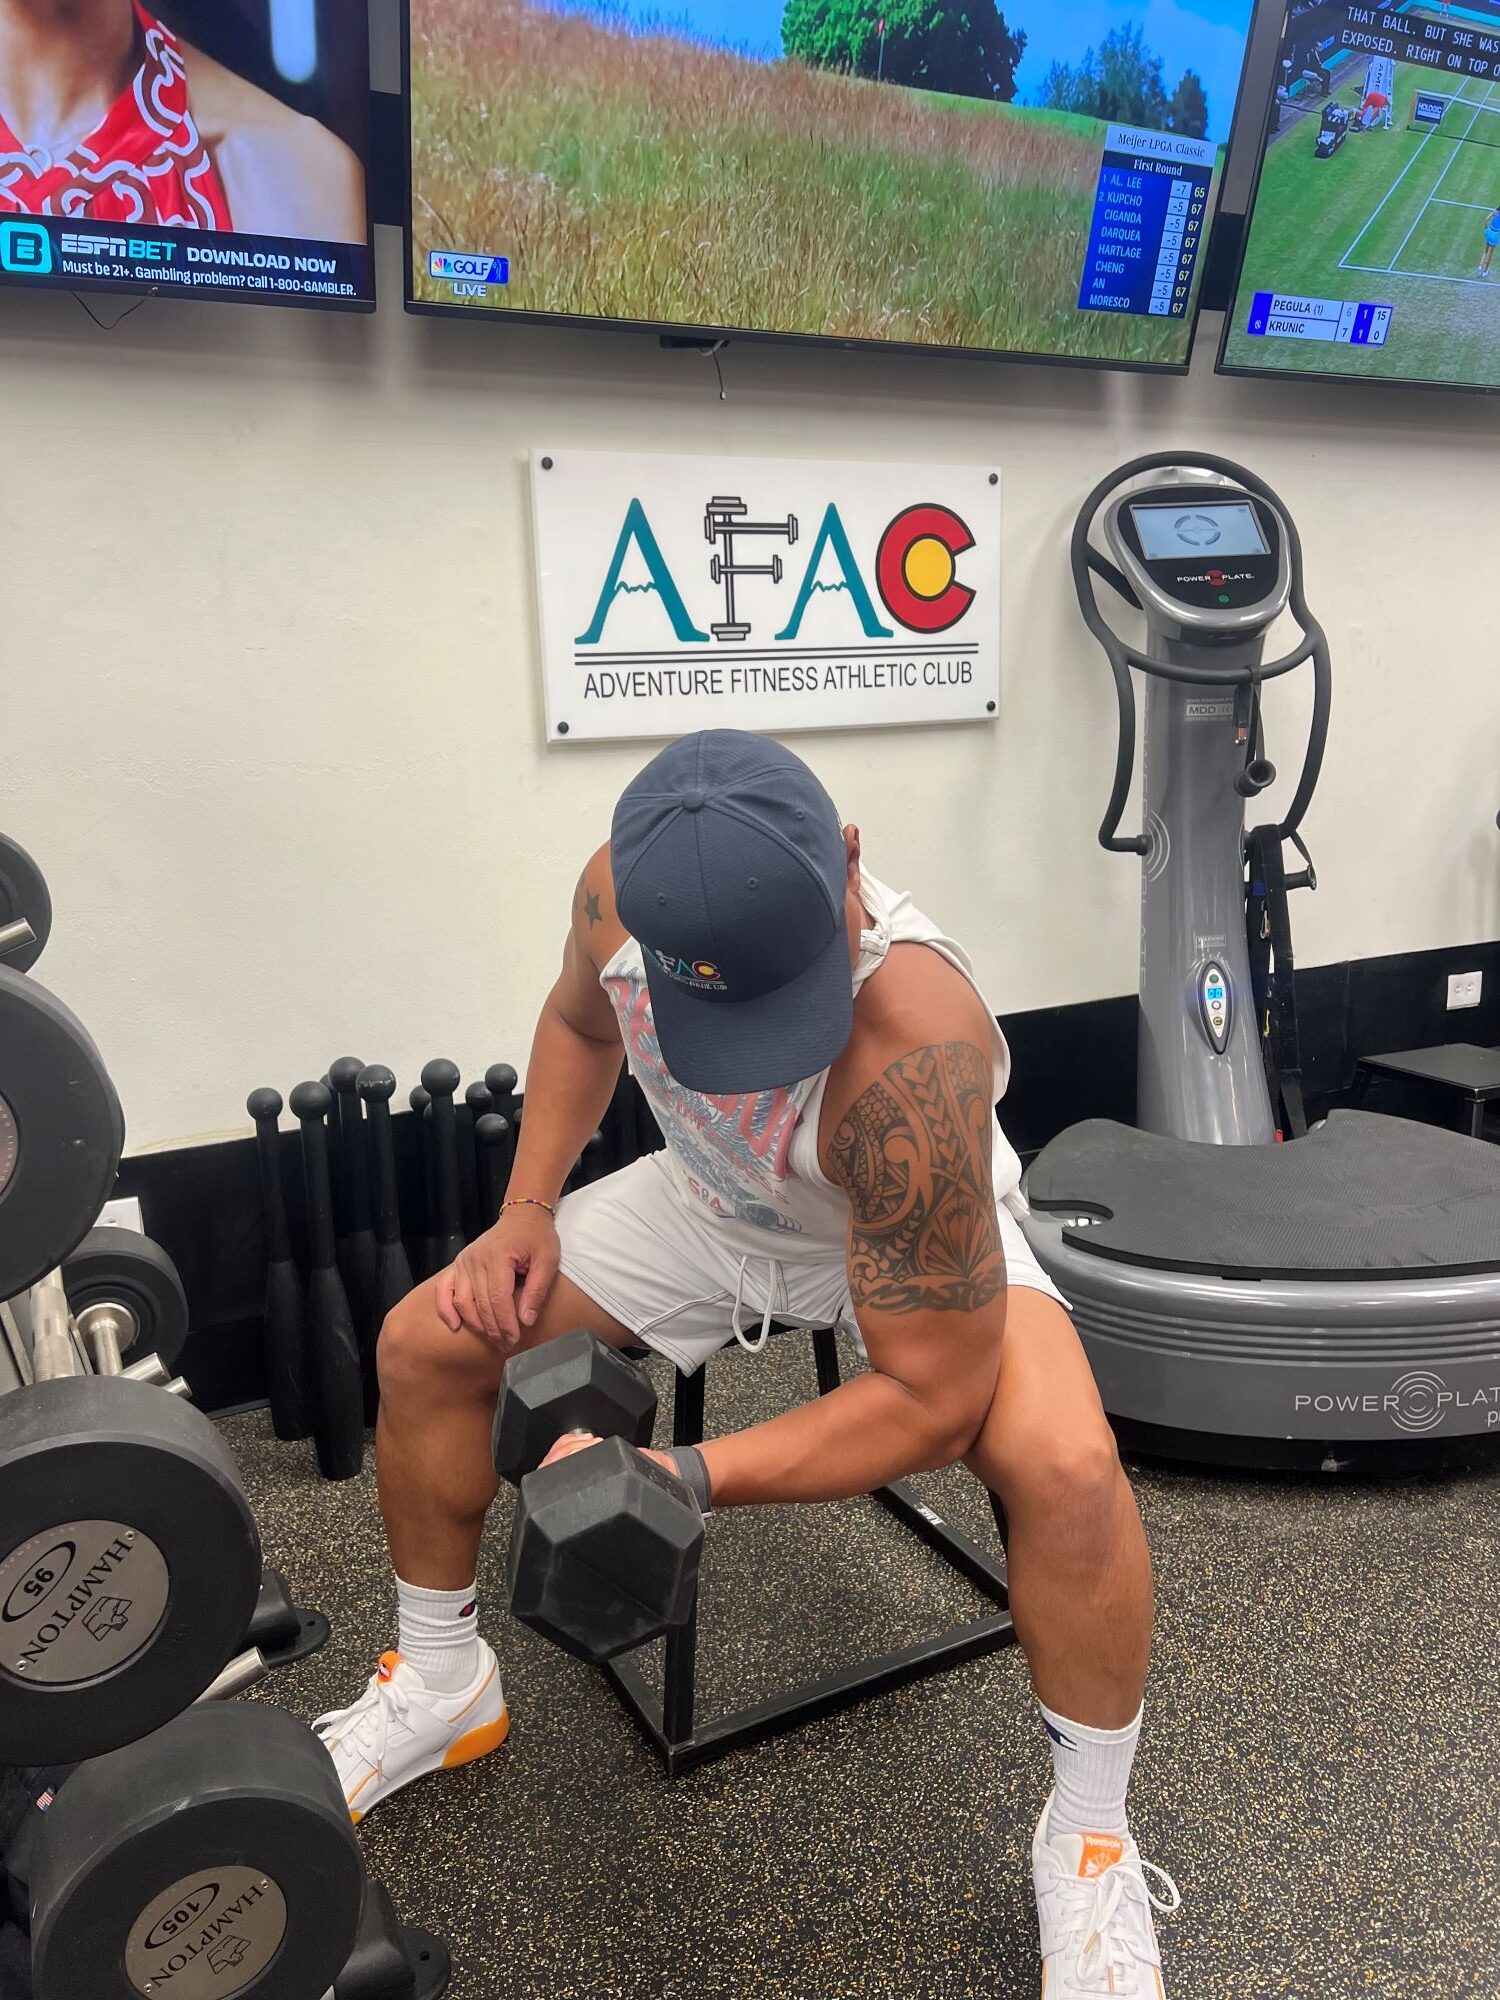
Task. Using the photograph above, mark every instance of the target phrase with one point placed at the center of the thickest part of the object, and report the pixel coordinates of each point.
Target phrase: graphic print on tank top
(752, 1161)
(145, 162)
(733, 1151)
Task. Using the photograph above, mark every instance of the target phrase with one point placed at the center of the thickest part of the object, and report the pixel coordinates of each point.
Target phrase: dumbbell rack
(669, 1721)
(43, 1344)
(130, 1567)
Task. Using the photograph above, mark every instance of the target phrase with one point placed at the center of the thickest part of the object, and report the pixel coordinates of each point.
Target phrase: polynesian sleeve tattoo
(914, 1155)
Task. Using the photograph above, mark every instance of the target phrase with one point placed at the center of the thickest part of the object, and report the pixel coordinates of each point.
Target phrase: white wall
(269, 704)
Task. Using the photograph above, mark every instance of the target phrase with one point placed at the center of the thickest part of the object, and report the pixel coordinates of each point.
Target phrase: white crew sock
(439, 1635)
(1093, 1774)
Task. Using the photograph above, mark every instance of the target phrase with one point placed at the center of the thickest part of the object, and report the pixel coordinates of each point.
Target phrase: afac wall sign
(681, 593)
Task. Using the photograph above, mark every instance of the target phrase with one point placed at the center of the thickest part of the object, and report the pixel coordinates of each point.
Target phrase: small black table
(1470, 1072)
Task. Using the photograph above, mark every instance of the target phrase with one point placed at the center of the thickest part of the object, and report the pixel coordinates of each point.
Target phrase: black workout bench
(669, 1722)
(1470, 1073)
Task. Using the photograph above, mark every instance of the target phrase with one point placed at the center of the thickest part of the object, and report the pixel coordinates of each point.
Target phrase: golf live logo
(470, 275)
(678, 593)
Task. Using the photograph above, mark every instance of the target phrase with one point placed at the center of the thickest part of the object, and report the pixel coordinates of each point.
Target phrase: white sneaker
(1095, 1908)
(399, 1729)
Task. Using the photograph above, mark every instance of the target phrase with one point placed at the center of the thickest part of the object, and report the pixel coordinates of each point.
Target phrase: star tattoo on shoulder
(588, 901)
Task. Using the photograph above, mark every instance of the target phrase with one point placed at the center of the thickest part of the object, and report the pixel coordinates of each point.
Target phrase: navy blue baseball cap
(730, 872)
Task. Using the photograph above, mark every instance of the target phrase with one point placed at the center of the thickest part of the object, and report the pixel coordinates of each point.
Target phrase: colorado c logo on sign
(916, 568)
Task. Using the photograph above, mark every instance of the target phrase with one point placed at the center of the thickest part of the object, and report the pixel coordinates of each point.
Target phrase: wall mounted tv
(1022, 178)
(1373, 235)
(207, 148)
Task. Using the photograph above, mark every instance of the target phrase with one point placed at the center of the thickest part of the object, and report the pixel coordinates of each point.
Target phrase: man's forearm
(863, 1435)
(569, 1084)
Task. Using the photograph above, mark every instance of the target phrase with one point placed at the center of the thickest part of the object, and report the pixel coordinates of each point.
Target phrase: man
(825, 1070)
(106, 116)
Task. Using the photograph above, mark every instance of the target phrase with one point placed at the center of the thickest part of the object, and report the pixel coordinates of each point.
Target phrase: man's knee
(1073, 1474)
(419, 1357)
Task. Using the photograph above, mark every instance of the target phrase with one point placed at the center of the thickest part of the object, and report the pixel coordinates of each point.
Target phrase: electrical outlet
(123, 1214)
(1465, 989)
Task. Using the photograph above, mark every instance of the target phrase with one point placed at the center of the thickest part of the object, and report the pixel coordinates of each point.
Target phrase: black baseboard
(1067, 1064)
(1079, 1062)
(202, 1203)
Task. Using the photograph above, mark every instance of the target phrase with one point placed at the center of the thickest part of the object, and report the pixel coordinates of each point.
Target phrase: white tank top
(749, 1164)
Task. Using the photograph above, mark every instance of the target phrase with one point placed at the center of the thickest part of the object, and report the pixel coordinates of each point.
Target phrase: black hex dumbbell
(604, 1552)
(577, 1383)
(605, 1548)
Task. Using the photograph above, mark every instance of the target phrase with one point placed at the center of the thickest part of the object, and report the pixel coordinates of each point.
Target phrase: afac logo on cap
(701, 973)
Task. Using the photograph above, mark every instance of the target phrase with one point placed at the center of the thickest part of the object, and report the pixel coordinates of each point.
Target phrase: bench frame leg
(669, 1721)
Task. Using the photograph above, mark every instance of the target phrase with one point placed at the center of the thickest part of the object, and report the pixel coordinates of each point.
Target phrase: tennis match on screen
(1371, 245)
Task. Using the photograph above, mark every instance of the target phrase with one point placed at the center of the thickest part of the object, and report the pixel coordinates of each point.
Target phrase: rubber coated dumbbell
(214, 1857)
(126, 1299)
(604, 1552)
(577, 1383)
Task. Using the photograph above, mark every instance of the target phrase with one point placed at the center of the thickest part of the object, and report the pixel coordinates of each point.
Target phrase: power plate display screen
(1181, 534)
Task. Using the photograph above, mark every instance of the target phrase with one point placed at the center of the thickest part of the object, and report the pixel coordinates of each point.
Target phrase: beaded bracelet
(529, 1201)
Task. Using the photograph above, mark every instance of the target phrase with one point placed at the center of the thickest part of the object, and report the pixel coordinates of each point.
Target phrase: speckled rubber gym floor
(1320, 1772)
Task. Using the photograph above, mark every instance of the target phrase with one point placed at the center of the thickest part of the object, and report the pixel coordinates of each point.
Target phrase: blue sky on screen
(1205, 35)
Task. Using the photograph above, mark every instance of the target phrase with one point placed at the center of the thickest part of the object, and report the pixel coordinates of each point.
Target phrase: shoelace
(754, 1346)
(368, 1720)
(1093, 1905)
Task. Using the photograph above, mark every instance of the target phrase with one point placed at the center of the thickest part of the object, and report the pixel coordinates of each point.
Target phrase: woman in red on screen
(106, 116)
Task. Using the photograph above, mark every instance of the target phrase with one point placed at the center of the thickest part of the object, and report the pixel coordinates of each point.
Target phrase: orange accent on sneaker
(478, 1743)
(388, 1665)
(1100, 1851)
(484, 1688)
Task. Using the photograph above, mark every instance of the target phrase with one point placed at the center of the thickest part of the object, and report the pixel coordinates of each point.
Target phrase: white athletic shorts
(635, 1247)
